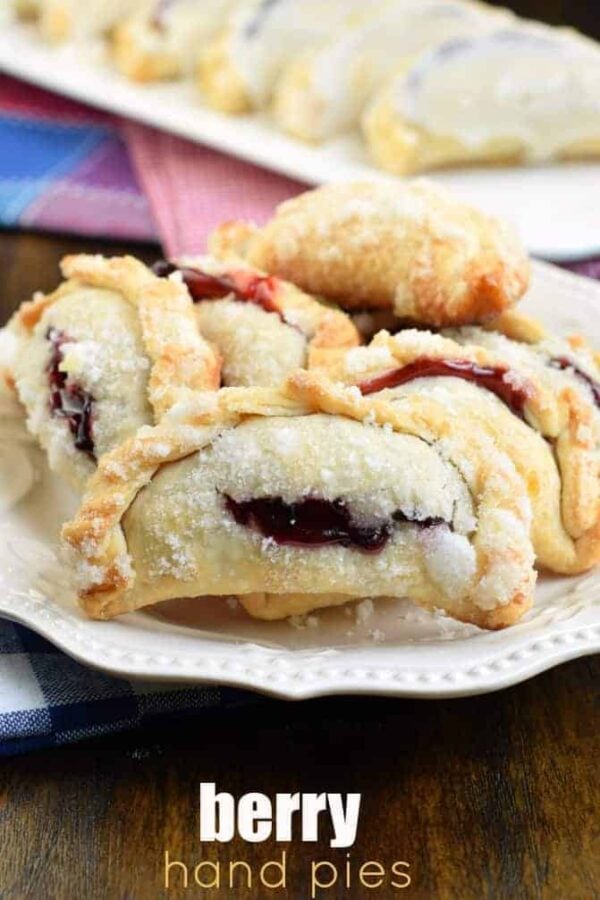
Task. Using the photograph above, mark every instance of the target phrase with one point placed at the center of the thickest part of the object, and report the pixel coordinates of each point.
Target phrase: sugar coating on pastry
(563, 405)
(528, 93)
(376, 474)
(544, 416)
(301, 496)
(111, 349)
(552, 361)
(163, 39)
(66, 20)
(322, 92)
(412, 248)
(94, 339)
(570, 372)
(238, 69)
(257, 348)
(264, 328)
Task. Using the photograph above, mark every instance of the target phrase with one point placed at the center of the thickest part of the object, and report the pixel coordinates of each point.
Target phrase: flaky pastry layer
(154, 523)
(551, 431)
(261, 345)
(112, 335)
(411, 248)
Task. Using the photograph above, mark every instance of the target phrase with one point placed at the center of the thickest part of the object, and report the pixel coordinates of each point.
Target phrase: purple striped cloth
(66, 168)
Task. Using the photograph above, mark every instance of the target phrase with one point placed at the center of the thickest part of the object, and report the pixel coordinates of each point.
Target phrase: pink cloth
(21, 97)
(192, 189)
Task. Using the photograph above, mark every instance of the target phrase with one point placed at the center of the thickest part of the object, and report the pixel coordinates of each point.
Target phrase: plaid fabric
(47, 699)
(64, 167)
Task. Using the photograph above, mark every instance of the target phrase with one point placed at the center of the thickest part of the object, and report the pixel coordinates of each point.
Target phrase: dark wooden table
(581, 14)
(491, 797)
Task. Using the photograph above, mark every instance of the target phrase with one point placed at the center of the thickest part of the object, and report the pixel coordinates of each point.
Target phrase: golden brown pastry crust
(575, 426)
(401, 145)
(70, 20)
(566, 528)
(327, 330)
(136, 62)
(132, 349)
(56, 21)
(517, 326)
(409, 247)
(160, 41)
(221, 85)
(240, 65)
(98, 542)
(181, 359)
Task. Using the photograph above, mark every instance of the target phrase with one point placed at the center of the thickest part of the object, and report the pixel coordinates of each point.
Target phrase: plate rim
(272, 674)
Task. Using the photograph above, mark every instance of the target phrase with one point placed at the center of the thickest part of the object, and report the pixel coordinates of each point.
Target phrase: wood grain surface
(492, 797)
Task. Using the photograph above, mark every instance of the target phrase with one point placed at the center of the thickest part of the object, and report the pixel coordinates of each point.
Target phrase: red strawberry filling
(493, 378)
(245, 286)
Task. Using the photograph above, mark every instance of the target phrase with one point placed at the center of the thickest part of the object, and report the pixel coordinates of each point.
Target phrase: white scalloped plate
(395, 650)
(524, 195)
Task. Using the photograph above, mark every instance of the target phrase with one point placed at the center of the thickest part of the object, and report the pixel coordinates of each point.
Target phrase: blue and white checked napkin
(47, 699)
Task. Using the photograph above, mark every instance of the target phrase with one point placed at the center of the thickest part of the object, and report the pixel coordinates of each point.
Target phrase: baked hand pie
(539, 406)
(238, 70)
(323, 91)
(163, 39)
(263, 328)
(112, 349)
(69, 20)
(303, 497)
(410, 248)
(524, 94)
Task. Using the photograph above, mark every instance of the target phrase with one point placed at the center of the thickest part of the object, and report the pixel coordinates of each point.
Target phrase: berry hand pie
(539, 406)
(322, 92)
(238, 70)
(525, 94)
(304, 497)
(409, 248)
(164, 38)
(263, 328)
(112, 349)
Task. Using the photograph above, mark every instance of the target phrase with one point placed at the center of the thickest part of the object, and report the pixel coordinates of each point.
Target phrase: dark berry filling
(493, 378)
(245, 286)
(316, 523)
(561, 362)
(68, 400)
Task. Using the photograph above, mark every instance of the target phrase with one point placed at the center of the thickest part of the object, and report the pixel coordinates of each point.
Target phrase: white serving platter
(391, 649)
(556, 208)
